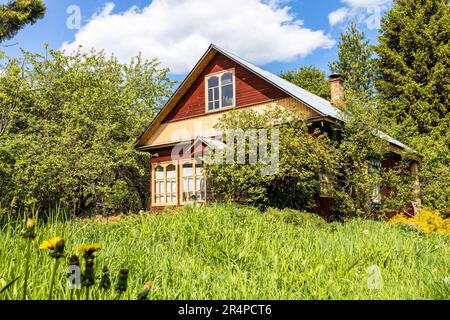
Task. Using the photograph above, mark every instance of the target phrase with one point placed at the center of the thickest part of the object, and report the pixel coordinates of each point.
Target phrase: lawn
(229, 252)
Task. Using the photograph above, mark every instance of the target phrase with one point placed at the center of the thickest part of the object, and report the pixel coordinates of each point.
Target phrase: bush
(341, 152)
(426, 221)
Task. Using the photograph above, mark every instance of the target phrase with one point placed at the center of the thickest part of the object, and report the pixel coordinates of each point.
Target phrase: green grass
(225, 252)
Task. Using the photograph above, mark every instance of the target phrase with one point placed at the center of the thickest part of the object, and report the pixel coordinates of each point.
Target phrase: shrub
(427, 221)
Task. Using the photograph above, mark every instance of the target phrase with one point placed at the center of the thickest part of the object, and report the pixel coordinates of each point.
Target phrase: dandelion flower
(88, 275)
(56, 245)
(28, 233)
(144, 293)
(122, 281)
(50, 244)
(105, 282)
(89, 250)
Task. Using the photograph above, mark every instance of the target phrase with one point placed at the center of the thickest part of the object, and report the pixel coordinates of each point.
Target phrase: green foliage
(301, 158)
(342, 151)
(413, 65)
(230, 252)
(355, 62)
(413, 80)
(359, 145)
(309, 78)
(15, 14)
(434, 172)
(69, 126)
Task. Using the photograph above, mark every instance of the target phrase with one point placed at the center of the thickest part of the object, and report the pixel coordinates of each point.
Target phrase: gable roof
(318, 104)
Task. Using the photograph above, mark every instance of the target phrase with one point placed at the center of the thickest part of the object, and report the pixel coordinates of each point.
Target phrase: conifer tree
(413, 65)
(355, 61)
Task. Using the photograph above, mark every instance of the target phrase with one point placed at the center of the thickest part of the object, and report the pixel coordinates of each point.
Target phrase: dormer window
(220, 90)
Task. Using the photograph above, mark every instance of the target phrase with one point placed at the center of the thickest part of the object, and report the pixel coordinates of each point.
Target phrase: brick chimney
(337, 90)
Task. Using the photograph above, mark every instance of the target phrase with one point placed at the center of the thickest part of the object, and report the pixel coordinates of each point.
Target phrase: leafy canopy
(309, 78)
(14, 15)
(69, 127)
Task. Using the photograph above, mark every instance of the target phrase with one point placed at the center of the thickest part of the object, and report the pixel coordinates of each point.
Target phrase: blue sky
(275, 34)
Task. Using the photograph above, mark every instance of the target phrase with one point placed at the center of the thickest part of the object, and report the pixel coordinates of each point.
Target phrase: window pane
(210, 106)
(216, 93)
(210, 95)
(213, 82)
(216, 105)
(187, 170)
(159, 172)
(227, 78)
(227, 96)
(198, 169)
(171, 173)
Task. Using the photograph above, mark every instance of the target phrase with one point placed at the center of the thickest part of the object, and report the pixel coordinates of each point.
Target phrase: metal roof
(319, 104)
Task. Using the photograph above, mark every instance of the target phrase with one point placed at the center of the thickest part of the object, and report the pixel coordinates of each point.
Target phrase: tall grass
(226, 252)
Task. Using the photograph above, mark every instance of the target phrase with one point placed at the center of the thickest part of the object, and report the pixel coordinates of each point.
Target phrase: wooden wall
(250, 89)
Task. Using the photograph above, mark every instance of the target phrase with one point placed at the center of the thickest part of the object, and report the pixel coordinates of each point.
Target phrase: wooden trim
(163, 164)
(218, 74)
(178, 94)
(193, 161)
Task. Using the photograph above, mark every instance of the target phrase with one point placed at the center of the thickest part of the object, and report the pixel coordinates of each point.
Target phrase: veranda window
(165, 184)
(193, 186)
(220, 90)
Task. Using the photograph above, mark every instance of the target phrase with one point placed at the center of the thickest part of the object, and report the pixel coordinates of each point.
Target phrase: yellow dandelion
(89, 250)
(30, 224)
(89, 247)
(51, 243)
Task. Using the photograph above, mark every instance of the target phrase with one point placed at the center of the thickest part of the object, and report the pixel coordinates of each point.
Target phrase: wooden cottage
(220, 82)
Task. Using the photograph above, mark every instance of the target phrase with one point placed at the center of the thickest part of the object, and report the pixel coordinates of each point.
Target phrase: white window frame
(164, 194)
(193, 162)
(219, 76)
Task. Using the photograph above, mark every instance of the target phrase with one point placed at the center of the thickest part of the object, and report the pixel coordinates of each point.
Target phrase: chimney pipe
(337, 90)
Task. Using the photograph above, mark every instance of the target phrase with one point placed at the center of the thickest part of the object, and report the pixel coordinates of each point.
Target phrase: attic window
(220, 90)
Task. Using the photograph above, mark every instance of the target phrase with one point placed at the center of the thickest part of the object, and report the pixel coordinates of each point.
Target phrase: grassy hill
(226, 252)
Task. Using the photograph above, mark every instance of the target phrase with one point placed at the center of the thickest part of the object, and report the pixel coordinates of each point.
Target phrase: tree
(309, 78)
(16, 14)
(301, 157)
(355, 62)
(304, 158)
(71, 141)
(413, 64)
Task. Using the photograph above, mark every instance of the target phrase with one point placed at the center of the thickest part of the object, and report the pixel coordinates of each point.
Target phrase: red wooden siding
(250, 89)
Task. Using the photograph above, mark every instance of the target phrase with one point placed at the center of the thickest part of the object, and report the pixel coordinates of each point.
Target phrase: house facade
(220, 82)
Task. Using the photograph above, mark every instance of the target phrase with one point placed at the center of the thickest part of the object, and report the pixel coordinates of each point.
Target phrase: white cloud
(365, 3)
(178, 31)
(338, 16)
(366, 11)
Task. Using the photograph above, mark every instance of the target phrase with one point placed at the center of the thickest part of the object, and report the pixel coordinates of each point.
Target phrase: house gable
(250, 90)
(186, 108)
(255, 88)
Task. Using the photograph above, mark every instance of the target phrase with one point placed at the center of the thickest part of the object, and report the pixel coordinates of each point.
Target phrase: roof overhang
(324, 109)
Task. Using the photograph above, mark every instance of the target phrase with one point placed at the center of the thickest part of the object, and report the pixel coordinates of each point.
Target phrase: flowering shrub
(427, 221)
